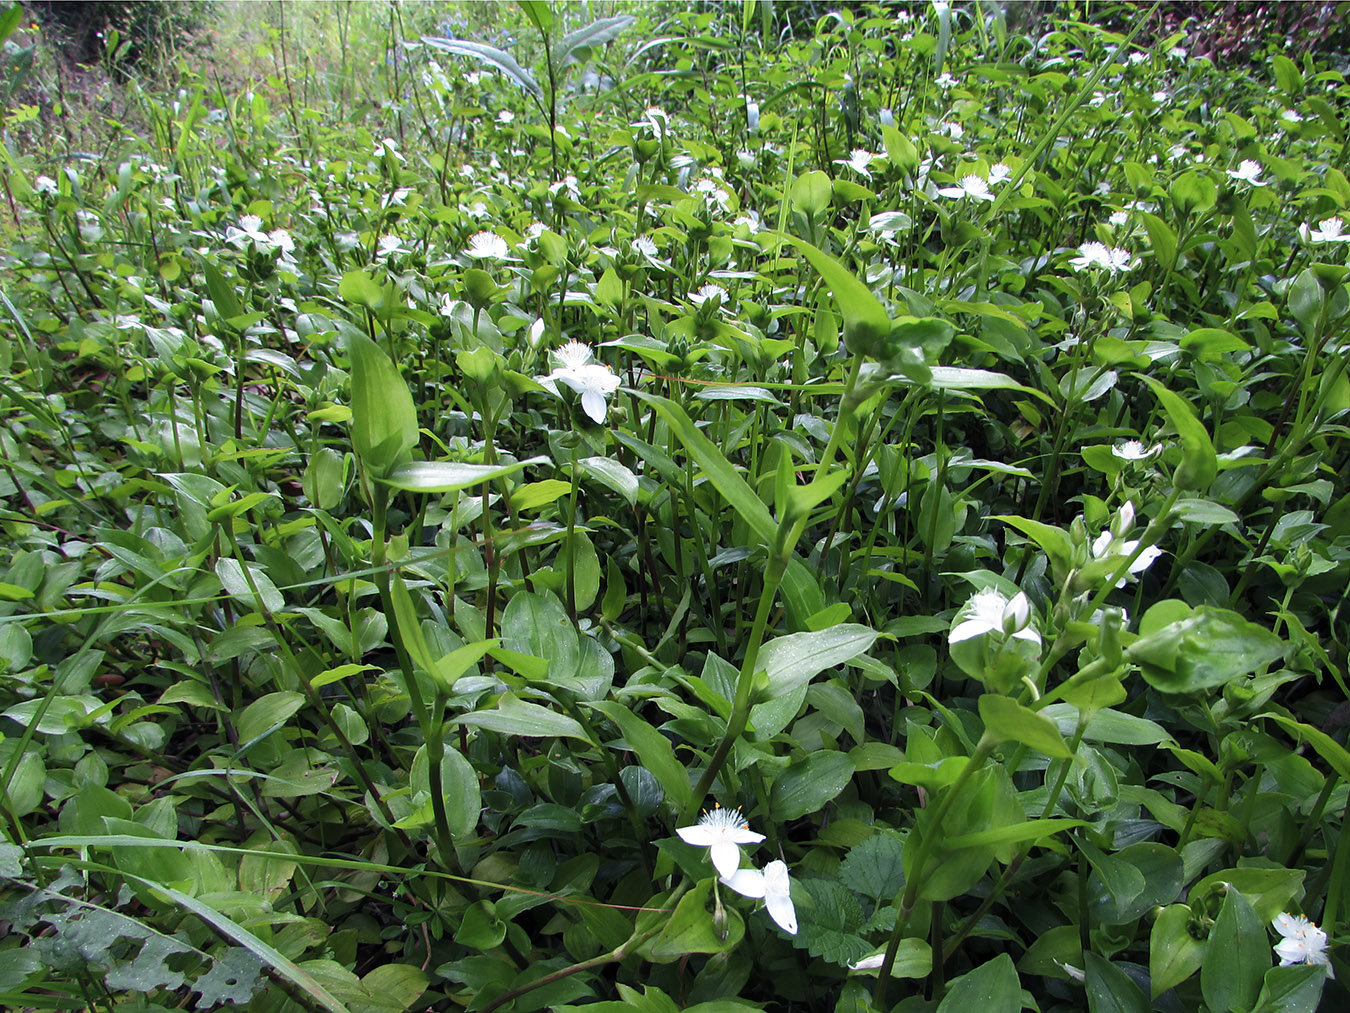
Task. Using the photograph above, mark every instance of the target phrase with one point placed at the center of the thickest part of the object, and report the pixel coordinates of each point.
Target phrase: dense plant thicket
(438, 470)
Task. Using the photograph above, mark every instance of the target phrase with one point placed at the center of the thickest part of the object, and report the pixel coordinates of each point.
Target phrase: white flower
(1098, 255)
(505, 116)
(945, 80)
(1134, 450)
(1248, 172)
(1303, 942)
(569, 184)
(572, 355)
(869, 963)
(388, 245)
(713, 194)
(249, 231)
(1107, 546)
(988, 611)
(45, 184)
(972, 185)
(1329, 230)
(953, 130)
(708, 293)
(644, 246)
(722, 831)
(999, 173)
(387, 147)
(594, 382)
(750, 220)
(1291, 116)
(487, 246)
(858, 160)
(774, 886)
(281, 240)
(886, 117)
(1138, 57)
(1160, 96)
(1119, 218)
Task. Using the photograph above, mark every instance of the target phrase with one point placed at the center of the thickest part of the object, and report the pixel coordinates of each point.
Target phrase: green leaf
(1008, 721)
(1199, 464)
(1111, 990)
(993, 987)
(9, 21)
(236, 584)
(1328, 748)
(1211, 647)
(1013, 833)
(570, 48)
(720, 473)
(384, 418)
(875, 868)
(360, 289)
(267, 713)
(808, 784)
(611, 473)
(498, 59)
(459, 785)
(1174, 954)
(536, 624)
(270, 957)
(810, 193)
(792, 661)
(691, 928)
(1162, 239)
(513, 716)
(1054, 542)
(1296, 989)
(222, 292)
(1237, 956)
(867, 326)
(450, 476)
(652, 749)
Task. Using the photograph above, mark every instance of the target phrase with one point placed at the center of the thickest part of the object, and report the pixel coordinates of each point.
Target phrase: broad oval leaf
(794, 660)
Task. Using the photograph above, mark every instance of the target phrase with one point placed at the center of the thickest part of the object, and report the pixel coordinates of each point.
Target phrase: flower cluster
(1099, 256)
(722, 832)
(594, 381)
(1302, 942)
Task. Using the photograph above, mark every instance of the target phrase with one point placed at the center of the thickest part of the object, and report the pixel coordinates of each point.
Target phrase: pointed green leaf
(716, 467)
(1009, 721)
(571, 48)
(498, 59)
(450, 476)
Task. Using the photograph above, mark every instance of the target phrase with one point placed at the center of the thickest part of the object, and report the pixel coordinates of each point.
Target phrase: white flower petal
(726, 857)
(746, 882)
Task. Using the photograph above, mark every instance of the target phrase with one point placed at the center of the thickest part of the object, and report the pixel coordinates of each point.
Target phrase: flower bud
(1017, 613)
(1124, 520)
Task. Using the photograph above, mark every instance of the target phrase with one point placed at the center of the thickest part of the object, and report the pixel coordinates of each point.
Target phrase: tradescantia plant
(856, 521)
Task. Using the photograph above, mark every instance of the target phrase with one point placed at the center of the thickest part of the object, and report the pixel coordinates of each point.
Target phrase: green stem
(926, 844)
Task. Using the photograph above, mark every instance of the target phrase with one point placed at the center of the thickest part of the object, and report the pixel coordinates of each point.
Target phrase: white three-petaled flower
(1329, 230)
(989, 611)
(722, 832)
(774, 886)
(594, 382)
(1107, 545)
(1248, 172)
(1303, 942)
(972, 185)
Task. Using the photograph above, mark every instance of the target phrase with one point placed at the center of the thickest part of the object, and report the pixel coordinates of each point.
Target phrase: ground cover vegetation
(521, 507)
